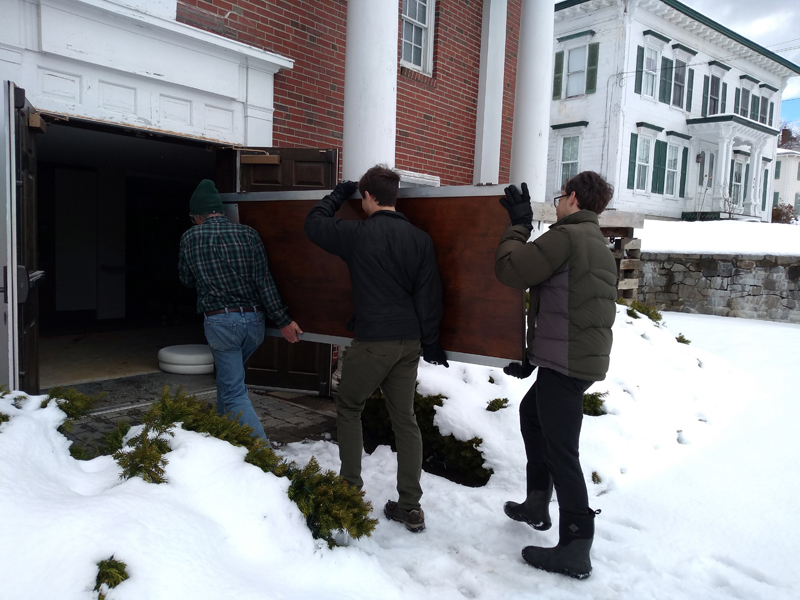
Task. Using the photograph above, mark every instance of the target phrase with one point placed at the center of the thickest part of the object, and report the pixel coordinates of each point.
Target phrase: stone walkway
(287, 417)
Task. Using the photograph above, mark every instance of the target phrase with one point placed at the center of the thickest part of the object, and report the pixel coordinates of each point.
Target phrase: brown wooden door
(304, 366)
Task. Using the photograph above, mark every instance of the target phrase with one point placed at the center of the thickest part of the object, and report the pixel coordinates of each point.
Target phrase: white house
(678, 112)
(787, 179)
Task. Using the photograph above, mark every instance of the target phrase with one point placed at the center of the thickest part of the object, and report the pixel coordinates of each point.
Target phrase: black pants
(550, 418)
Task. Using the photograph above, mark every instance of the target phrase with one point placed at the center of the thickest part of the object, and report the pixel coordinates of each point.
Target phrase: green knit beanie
(206, 199)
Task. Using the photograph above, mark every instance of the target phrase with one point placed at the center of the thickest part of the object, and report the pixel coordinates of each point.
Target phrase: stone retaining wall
(750, 286)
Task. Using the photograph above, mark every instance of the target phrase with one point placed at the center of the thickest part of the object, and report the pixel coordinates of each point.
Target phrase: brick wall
(435, 115)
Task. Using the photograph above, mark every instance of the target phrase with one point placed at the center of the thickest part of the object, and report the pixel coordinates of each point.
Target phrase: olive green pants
(392, 366)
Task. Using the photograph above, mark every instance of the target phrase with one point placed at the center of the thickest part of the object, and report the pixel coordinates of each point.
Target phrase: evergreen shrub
(650, 312)
(110, 572)
(497, 404)
(683, 340)
(593, 404)
(458, 460)
(327, 501)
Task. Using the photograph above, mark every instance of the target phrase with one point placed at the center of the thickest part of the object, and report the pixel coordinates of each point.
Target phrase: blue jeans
(233, 336)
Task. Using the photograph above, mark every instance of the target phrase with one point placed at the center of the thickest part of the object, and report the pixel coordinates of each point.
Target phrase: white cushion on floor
(186, 369)
(187, 354)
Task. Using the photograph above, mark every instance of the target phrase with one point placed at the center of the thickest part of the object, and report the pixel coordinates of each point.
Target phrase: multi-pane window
(764, 110)
(642, 163)
(650, 68)
(576, 71)
(713, 95)
(569, 158)
(744, 107)
(736, 183)
(416, 33)
(678, 83)
(671, 181)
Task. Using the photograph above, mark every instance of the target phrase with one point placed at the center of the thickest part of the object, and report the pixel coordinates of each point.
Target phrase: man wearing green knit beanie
(227, 264)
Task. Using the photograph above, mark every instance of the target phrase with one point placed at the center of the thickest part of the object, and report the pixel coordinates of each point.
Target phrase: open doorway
(112, 206)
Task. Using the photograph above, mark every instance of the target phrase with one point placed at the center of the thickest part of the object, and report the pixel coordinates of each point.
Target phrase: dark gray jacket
(397, 292)
(572, 277)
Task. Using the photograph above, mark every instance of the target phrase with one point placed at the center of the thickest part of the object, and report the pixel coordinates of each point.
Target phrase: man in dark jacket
(227, 264)
(397, 295)
(572, 278)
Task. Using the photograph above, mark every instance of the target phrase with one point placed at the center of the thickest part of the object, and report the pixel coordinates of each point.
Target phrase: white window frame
(648, 166)
(737, 187)
(718, 97)
(744, 107)
(579, 73)
(763, 109)
(560, 171)
(679, 85)
(426, 46)
(676, 172)
(650, 75)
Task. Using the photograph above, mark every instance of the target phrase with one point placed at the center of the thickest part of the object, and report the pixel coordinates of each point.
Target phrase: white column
(723, 166)
(370, 86)
(489, 123)
(259, 108)
(753, 199)
(532, 97)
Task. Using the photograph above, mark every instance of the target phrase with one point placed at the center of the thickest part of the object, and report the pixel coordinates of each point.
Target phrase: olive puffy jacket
(572, 277)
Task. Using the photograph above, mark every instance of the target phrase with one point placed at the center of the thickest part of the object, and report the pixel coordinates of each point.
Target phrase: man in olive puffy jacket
(572, 278)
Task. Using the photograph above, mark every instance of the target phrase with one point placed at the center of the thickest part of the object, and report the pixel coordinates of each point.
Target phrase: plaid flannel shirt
(227, 264)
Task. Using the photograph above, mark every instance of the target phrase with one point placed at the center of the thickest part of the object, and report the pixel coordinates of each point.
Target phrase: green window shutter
(778, 170)
(798, 172)
(736, 101)
(771, 112)
(591, 68)
(764, 192)
(684, 164)
(730, 179)
(724, 99)
(558, 75)
(659, 167)
(704, 108)
(754, 107)
(665, 85)
(689, 90)
(775, 199)
(746, 181)
(632, 161)
(637, 86)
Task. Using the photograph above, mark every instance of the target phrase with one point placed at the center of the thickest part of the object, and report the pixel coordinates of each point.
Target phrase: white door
(8, 335)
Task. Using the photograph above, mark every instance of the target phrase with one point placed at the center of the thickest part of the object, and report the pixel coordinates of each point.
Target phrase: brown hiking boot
(414, 520)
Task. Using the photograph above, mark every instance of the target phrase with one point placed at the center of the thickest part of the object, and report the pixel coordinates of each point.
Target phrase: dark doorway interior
(113, 204)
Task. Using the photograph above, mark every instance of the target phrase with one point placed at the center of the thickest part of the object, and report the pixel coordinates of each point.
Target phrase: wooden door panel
(304, 366)
(482, 317)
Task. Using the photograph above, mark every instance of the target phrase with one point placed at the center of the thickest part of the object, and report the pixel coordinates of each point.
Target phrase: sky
(697, 481)
(774, 24)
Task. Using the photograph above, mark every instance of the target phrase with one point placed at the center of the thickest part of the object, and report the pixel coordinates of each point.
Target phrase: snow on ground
(720, 237)
(697, 460)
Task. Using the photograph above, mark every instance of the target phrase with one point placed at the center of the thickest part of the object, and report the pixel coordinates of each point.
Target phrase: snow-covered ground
(697, 459)
(720, 237)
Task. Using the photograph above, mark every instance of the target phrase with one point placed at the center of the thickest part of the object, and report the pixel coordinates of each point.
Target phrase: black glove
(435, 355)
(518, 206)
(519, 370)
(342, 191)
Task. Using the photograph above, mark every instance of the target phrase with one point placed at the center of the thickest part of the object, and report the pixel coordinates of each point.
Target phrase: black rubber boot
(571, 555)
(535, 511)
